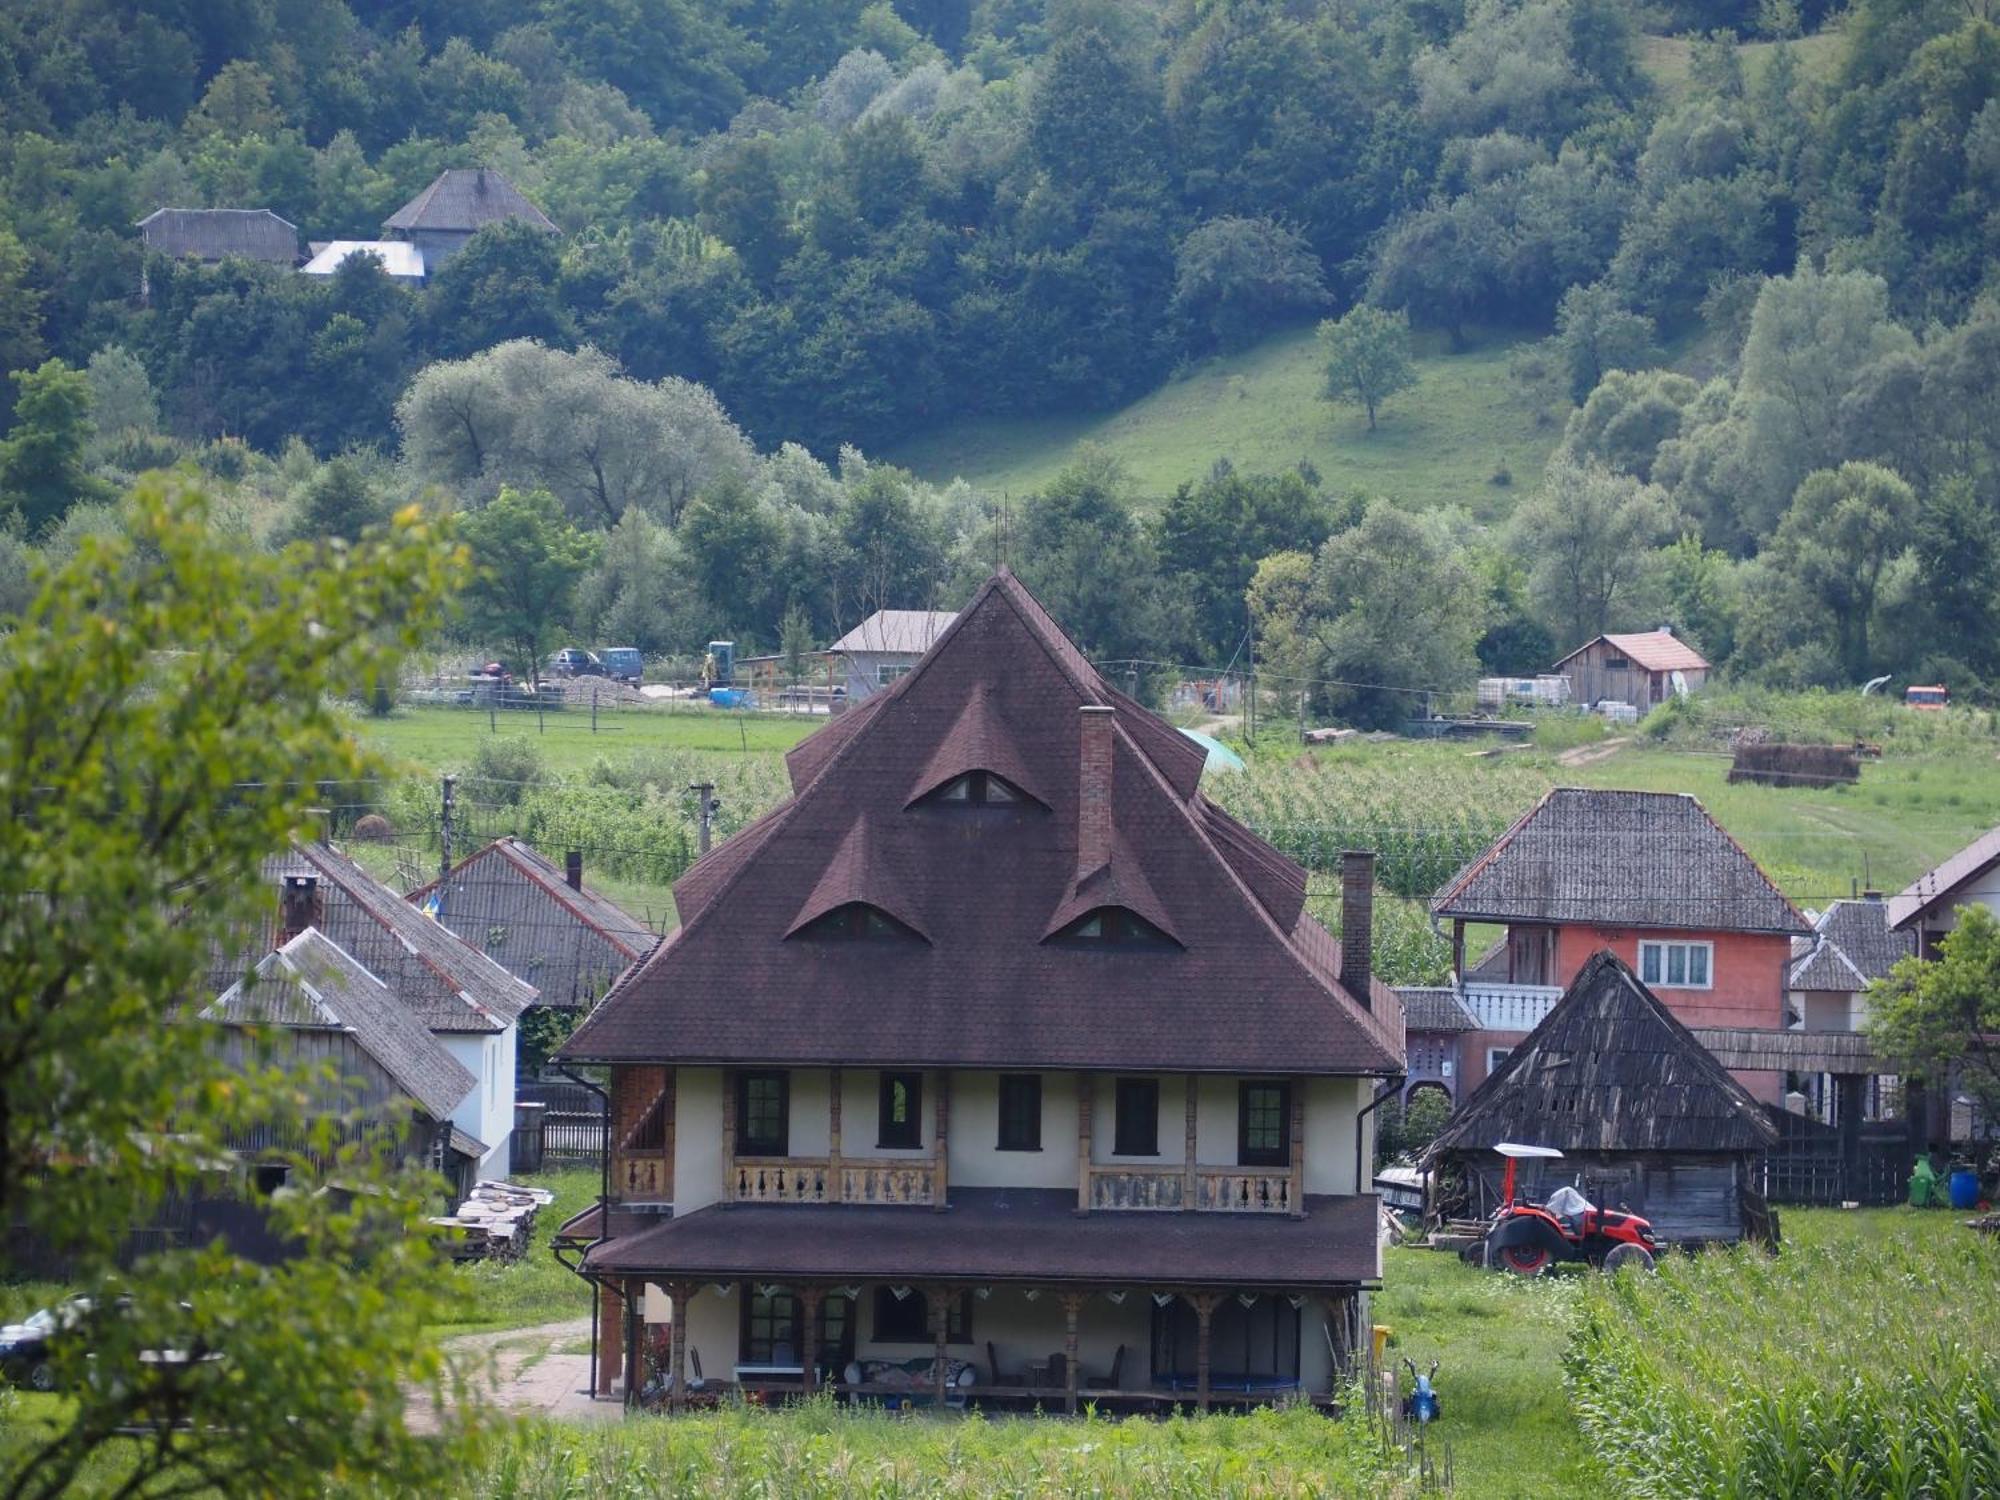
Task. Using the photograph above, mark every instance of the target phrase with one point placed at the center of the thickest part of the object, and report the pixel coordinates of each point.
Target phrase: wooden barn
(1647, 1120)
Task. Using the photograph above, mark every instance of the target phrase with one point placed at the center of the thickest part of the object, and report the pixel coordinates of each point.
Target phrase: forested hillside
(1750, 305)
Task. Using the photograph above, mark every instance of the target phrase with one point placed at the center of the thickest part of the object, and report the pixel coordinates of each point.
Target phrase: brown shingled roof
(463, 199)
(1650, 650)
(1253, 986)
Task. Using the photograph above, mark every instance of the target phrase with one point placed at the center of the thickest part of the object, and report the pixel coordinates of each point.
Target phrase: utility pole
(707, 807)
(444, 829)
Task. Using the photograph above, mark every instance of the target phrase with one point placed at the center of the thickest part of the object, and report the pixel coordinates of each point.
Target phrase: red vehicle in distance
(1528, 1238)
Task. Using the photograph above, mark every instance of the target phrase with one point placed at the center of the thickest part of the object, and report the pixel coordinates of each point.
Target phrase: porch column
(610, 1338)
(810, 1298)
(940, 1169)
(1072, 1306)
(680, 1293)
(728, 1135)
(938, 1299)
(1298, 1137)
(1086, 1101)
(1204, 1312)
(634, 1294)
(834, 1185)
(1187, 1164)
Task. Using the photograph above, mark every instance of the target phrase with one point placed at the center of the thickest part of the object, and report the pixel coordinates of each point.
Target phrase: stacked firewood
(496, 1223)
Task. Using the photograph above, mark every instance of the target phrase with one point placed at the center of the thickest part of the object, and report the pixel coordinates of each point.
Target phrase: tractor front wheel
(1628, 1254)
(1524, 1260)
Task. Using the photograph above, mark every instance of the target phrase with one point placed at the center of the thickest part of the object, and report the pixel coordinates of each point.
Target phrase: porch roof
(1021, 1235)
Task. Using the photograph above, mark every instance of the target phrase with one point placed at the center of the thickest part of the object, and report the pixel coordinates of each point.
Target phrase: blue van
(622, 663)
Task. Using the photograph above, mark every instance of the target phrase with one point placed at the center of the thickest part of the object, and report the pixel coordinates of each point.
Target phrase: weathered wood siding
(1689, 1198)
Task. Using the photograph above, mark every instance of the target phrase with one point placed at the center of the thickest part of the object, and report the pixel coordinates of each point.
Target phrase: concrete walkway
(525, 1372)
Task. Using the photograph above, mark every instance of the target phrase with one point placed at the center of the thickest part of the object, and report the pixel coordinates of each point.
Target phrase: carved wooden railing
(639, 1177)
(796, 1179)
(1229, 1190)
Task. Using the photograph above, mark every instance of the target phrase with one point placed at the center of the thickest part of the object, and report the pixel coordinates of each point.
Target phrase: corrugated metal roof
(312, 983)
(464, 199)
(1942, 883)
(398, 257)
(899, 632)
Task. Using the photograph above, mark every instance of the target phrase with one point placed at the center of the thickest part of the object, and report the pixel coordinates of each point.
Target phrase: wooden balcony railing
(1230, 1190)
(796, 1179)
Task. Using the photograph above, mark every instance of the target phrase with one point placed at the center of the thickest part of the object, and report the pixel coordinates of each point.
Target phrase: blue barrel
(1964, 1188)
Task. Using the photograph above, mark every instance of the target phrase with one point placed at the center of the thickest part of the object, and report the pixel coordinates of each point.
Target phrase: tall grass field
(1862, 1361)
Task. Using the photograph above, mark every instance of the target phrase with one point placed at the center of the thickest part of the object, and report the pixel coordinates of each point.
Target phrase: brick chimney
(1357, 923)
(1093, 813)
(298, 906)
(573, 869)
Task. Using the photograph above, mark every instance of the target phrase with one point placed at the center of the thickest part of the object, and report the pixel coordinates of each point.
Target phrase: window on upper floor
(1020, 1112)
(1138, 1118)
(1263, 1123)
(1113, 927)
(978, 789)
(857, 922)
(1678, 966)
(900, 1122)
(1496, 1056)
(1616, 664)
(763, 1114)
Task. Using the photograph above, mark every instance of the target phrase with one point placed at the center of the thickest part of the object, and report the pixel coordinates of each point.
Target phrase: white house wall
(488, 1111)
(976, 1159)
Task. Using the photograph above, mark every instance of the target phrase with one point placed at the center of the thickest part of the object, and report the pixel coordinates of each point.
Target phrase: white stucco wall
(488, 1111)
(1982, 890)
(861, 1118)
(697, 1138)
(1331, 1107)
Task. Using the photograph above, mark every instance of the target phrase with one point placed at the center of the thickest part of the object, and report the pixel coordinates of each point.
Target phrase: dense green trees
(526, 561)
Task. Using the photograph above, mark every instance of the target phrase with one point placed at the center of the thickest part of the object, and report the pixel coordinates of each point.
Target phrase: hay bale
(1772, 764)
(373, 828)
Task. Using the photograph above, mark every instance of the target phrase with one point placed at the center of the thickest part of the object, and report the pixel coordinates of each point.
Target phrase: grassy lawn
(432, 740)
(490, 1295)
(1665, 58)
(1440, 443)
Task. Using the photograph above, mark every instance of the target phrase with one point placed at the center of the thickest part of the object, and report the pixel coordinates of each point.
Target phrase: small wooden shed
(1646, 1118)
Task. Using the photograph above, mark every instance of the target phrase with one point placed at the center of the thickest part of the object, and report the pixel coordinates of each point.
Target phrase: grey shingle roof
(450, 985)
(517, 908)
(462, 200)
(1852, 945)
(1434, 1008)
(312, 983)
(1610, 1069)
(213, 233)
(1619, 859)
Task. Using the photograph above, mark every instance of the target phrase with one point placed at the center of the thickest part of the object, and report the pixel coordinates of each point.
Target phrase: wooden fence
(1807, 1167)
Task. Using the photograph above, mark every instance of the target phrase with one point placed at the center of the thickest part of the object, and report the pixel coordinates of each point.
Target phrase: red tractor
(1527, 1238)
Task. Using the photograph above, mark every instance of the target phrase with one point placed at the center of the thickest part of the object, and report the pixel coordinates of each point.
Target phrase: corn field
(1425, 813)
(822, 1452)
(1844, 1368)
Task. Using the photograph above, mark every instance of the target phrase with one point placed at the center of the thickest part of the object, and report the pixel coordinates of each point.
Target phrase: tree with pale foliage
(1367, 356)
(167, 721)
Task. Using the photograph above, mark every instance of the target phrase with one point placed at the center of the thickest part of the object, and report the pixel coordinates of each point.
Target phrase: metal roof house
(213, 234)
(400, 260)
(884, 646)
(1643, 669)
(1929, 905)
(1647, 1120)
(997, 1040)
(457, 205)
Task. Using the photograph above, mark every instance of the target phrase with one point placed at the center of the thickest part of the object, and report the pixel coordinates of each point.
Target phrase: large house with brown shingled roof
(1650, 876)
(997, 1064)
(442, 219)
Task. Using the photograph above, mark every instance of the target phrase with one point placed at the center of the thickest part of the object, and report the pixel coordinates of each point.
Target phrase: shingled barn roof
(1609, 1069)
(1650, 650)
(1434, 1008)
(465, 199)
(313, 984)
(974, 976)
(448, 984)
(217, 233)
(1852, 945)
(521, 911)
(1619, 859)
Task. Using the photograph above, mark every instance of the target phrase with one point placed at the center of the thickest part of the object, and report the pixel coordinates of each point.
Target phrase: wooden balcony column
(834, 1193)
(1072, 1306)
(679, 1293)
(1187, 1161)
(1298, 1136)
(633, 1294)
(1204, 1314)
(728, 1135)
(940, 1173)
(810, 1298)
(610, 1337)
(1086, 1102)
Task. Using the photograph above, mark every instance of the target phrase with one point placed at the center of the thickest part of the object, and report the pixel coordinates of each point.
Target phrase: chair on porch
(662, 1385)
(1108, 1382)
(994, 1372)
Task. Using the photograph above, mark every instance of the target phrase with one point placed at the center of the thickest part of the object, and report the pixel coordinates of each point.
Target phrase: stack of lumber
(496, 1223)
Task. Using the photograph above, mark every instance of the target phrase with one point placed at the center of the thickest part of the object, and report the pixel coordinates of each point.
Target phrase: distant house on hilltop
(885, 646)
(400, 261)
(1643, 670)
(461, 202)
(214, 234)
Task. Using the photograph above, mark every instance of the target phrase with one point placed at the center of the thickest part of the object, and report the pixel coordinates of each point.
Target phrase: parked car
(28, 1348)
(623, 663)
(574, 661)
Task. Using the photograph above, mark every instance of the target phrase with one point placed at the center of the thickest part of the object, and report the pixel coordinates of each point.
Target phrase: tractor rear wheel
(1638, 1257)
(1524, 1260)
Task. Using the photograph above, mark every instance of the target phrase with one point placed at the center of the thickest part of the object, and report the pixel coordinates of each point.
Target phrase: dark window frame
(903, 1329)
(1133, 1123)
(1020, 1124)
(1117, 927)
(772, 1145)
(909, 1135)
(1278, 1155)
(835, 1334)
(858, 922)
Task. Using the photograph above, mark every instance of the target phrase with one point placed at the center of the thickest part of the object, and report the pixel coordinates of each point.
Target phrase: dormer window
(978, 789)
(1113, 927)
(858, 922)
